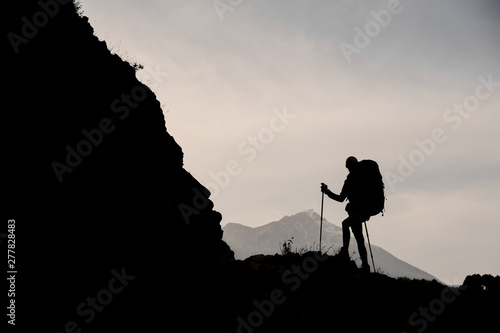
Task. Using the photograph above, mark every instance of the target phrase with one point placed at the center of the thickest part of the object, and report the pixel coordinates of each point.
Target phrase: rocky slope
(96, 184)
(313, 293)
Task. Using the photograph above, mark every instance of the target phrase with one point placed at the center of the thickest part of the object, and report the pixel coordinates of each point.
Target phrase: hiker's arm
(337, 197)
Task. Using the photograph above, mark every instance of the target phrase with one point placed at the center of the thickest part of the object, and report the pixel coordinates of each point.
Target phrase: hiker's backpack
(373, 187)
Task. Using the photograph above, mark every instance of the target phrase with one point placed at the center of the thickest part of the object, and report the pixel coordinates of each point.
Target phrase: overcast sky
(268, 99)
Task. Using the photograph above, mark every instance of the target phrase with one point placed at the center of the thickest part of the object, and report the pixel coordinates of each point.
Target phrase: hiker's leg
(346, 233)
(357, 230)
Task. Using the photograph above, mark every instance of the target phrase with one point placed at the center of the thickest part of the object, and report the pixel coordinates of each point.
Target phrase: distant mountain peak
(311, 213)
(303, 216)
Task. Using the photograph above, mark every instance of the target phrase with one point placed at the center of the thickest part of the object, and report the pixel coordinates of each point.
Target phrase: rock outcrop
(96, 184)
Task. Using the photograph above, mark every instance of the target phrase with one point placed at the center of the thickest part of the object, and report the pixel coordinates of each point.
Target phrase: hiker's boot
(365, 268)
(343, 253)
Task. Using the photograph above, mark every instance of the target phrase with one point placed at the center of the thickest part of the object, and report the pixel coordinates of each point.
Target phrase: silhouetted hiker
(363, 188)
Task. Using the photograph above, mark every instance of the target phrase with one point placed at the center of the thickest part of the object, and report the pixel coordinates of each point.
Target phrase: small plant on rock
(286, 247)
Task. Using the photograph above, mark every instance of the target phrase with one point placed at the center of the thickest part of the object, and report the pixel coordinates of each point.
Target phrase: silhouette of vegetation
(286, 246)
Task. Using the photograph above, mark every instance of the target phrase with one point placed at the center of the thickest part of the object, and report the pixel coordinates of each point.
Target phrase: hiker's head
(351, 163)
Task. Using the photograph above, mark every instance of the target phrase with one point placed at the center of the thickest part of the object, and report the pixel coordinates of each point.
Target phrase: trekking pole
(321, 220)
(369, 245)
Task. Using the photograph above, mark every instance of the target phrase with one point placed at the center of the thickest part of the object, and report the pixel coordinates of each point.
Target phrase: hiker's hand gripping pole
(337, 197)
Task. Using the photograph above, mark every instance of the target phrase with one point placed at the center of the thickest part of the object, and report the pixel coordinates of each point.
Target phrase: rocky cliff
(96, 184)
